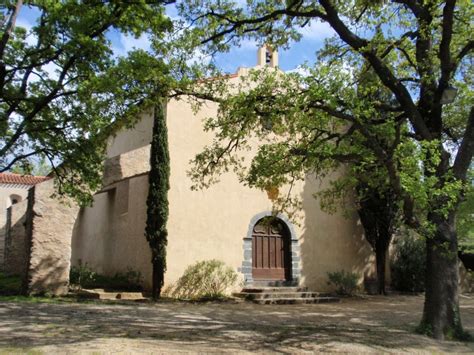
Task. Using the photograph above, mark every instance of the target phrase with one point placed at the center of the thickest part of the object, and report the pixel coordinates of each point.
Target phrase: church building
(226, 221)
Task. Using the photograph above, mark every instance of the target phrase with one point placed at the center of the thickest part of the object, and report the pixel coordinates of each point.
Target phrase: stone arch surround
(246, 268)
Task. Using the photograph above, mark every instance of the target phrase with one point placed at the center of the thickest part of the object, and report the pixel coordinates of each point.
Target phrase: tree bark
(377, 214)
(380, 259)
(441, 316)
(158, 279)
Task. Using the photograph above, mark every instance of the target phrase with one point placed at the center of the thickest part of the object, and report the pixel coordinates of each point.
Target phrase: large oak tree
(63, 90)
(418, 50)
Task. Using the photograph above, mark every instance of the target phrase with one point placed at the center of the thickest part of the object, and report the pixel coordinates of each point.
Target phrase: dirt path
(374, 325)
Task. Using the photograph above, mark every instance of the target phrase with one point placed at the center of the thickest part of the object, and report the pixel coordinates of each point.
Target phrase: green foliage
(345, 281)
(409, 264)
(157, 199)
(83, 277)
(465, 218)
(39, 167)
(208, 279)
(9, 285)
(62, 91)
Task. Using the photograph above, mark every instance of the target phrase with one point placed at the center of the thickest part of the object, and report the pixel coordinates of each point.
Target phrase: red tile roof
(17, 179)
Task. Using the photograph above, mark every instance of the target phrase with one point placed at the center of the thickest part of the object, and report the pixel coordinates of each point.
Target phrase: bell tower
(267, 56)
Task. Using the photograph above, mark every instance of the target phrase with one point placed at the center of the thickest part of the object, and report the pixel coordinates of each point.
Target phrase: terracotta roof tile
(17, 179)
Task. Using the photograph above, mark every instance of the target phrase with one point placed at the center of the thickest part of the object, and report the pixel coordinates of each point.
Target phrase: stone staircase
(283, 295)
(101, 294)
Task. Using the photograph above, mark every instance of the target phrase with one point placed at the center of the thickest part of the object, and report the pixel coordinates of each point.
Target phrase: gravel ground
(358, 325)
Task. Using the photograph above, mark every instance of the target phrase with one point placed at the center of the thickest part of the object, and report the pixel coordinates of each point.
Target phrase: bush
(346, 282)
(9, 285)
(208, 279)
(83, 277)
(409, 264)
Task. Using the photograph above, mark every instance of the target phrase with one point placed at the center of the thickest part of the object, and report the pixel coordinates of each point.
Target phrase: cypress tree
(157, 200)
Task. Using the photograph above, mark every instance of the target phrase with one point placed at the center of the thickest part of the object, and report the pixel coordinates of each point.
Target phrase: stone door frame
(246, 268)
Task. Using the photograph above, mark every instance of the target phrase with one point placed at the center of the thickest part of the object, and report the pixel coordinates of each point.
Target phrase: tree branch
(384, 73)
(464, 157)
(9, 28)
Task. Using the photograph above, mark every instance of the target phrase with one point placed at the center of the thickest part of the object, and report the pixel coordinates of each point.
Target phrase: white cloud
(301, 70)
(21, 22)
(129, 43)
(199, 57)
(31, 38)
(317, 31)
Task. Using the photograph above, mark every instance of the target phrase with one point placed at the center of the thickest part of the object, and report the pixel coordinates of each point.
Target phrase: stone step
(282, 289)
(283, 295)
(101, 294)
(310, 300)
(269, 295)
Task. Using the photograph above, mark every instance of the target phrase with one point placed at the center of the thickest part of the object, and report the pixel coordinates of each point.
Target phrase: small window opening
(268, 57)
(14, 199)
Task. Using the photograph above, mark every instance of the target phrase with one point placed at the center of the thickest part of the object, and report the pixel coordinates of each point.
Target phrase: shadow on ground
(374, 324)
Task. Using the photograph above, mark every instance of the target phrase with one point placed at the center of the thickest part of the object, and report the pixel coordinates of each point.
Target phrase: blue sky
(243, 56)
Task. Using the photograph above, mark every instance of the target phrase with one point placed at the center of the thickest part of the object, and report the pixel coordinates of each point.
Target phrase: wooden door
(271, 250)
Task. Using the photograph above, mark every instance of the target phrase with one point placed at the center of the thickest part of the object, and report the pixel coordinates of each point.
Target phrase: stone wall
(50, 253)
(16, 254)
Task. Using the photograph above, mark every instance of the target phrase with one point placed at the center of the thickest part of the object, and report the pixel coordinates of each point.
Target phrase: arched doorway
(271, 250)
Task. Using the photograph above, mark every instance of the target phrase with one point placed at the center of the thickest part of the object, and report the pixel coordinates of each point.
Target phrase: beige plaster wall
(130, 139)
(126, 165)
(212, 223)
(50, 255)
(6, 191)
(15, 245)
(110, 236)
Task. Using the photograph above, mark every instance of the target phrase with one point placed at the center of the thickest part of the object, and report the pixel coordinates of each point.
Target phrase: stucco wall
(50, 254)
(126, 165)
(109, 237)
(130, 139)
(212, 223)
(15, 243)
(6, 191)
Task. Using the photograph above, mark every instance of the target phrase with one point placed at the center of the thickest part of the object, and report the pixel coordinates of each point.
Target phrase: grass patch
(28, 351)
(38, 299)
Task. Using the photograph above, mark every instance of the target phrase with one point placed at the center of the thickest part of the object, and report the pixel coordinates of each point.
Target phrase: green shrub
(9, 285)
(409, 264)
(208, 279)
(346, 282)
(83, 277)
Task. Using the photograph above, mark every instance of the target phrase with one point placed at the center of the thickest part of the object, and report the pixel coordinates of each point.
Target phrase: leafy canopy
(62, 89)
(332, 113)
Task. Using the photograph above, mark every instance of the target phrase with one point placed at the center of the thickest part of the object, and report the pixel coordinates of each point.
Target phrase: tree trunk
(380, 259)
(441, 316)
(157, 277)
(377, 215)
